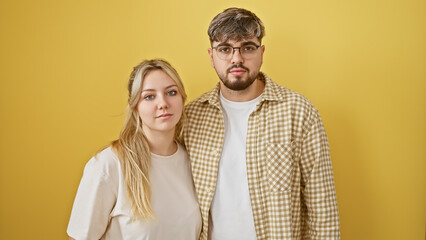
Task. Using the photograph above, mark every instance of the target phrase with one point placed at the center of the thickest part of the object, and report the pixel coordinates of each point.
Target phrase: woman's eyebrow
(151, 89)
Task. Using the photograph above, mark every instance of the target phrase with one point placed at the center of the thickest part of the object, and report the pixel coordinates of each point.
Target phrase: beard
(239, 83)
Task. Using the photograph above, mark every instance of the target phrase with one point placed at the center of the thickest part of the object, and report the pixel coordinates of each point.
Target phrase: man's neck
(250, 93)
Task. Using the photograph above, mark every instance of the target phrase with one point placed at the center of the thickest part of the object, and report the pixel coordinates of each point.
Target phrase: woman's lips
(165, 116)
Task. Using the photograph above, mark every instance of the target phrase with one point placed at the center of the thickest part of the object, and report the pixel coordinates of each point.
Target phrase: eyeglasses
(226, 52)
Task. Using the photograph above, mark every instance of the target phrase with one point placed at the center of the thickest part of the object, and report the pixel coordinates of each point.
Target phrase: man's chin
(237, 85)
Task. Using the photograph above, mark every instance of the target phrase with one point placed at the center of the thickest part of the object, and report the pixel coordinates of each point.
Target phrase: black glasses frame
(233, 48)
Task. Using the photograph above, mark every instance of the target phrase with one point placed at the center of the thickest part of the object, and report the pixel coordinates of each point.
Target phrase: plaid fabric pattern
(289, 170)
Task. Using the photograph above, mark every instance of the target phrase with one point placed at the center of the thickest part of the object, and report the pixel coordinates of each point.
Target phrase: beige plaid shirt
(289, 171)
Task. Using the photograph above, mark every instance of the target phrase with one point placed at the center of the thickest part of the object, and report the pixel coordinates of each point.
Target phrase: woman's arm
(95, 199)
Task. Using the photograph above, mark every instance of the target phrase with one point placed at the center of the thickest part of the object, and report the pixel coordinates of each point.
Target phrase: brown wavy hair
(235, 24)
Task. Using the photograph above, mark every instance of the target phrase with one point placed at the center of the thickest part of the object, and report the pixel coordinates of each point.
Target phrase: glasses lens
(224, 52)
(248, 51)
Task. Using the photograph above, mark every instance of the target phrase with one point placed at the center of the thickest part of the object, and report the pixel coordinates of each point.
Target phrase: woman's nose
(162, 102)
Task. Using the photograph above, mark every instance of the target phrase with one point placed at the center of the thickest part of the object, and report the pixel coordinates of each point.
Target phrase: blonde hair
(132, 146)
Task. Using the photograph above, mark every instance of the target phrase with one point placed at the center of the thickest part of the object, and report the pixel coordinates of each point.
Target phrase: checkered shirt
(289, 170)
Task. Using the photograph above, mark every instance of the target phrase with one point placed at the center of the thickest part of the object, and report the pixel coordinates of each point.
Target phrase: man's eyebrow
(242, 44)
(223, 44)
(248, 43)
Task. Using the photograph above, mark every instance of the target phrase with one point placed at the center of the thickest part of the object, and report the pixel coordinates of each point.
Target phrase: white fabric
(231, 215)
(102, 209)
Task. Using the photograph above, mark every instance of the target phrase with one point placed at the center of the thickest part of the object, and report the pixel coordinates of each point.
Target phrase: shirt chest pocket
(279, 166)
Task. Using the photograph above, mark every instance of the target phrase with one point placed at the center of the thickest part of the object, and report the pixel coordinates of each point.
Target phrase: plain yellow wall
(65, 65)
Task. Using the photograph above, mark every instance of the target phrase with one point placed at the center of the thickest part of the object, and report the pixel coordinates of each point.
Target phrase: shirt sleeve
(95, 199)
(318, 182)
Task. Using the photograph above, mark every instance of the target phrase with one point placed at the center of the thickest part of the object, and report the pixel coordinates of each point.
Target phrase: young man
(259, 153)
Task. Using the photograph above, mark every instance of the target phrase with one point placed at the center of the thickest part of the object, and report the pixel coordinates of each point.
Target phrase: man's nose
(236, 55)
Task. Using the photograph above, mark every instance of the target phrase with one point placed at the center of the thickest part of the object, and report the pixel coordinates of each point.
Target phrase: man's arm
(318, 182)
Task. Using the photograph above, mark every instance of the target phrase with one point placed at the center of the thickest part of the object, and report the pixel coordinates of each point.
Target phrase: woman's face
(160, 106)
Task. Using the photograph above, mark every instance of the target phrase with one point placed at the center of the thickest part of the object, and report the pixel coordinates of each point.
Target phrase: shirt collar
(272, 91)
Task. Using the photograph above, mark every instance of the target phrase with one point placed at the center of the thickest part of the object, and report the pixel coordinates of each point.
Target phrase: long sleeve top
(289, 171)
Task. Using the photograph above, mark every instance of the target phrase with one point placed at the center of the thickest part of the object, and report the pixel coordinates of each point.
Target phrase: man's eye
(224, 49)
(172, 92)
(249, 48)
(148, 97)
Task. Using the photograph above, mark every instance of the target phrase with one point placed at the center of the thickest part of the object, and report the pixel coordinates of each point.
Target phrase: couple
(256, 152)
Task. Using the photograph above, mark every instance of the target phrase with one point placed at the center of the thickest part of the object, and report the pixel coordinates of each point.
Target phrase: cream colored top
(102, 209)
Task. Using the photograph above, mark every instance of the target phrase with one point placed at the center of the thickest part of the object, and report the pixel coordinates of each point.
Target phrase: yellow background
(65, 65)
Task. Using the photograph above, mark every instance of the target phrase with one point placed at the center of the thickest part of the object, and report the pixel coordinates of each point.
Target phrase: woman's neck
(162, 144)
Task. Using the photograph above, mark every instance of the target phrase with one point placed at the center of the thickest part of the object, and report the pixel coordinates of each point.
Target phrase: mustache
(237, 66)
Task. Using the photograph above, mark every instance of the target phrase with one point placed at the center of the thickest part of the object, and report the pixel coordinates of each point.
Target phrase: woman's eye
(172, 92)
(148, 97)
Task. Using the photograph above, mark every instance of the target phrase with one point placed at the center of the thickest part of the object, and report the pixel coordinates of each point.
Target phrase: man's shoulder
(285, 95)
(294, 103)
(200, 102)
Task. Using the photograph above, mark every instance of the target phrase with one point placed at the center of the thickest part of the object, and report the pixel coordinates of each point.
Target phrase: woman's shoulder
(104, 162)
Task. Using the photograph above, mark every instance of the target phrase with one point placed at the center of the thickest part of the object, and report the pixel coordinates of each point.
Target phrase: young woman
(141, 186)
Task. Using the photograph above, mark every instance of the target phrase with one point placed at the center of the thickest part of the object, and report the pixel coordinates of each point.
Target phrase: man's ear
(210, 51)
(262, 48)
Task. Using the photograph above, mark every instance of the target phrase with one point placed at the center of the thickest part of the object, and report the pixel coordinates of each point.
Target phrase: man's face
(238, 71)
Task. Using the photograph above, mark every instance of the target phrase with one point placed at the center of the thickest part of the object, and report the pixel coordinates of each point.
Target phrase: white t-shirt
(102, 209)
(231, 216)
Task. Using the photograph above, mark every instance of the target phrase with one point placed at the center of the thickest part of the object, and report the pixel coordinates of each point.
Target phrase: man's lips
(237, 70)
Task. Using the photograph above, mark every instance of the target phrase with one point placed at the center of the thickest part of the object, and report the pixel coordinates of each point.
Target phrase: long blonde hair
(132, 146)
